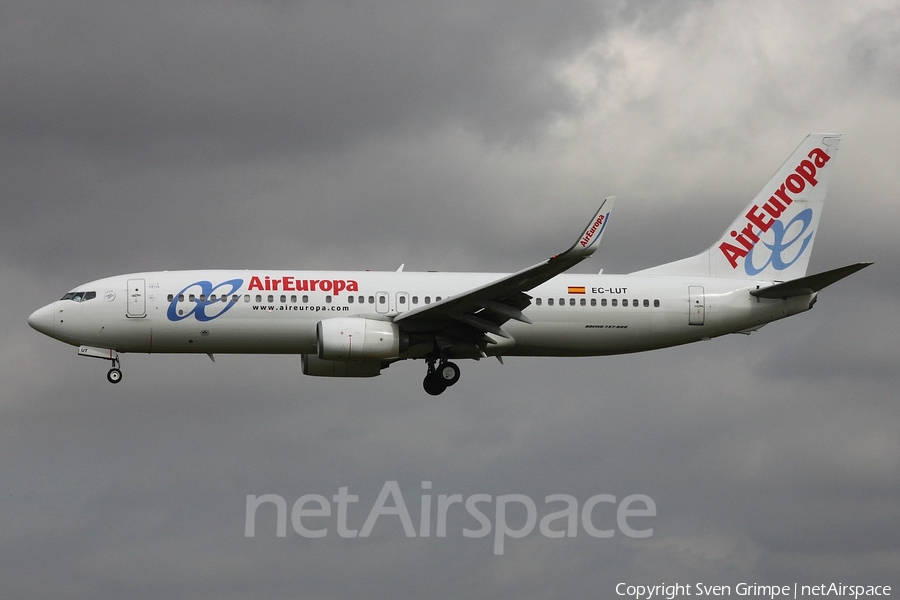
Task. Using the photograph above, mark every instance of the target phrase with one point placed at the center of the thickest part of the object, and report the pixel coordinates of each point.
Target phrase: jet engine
(315, 366)
(355, 338)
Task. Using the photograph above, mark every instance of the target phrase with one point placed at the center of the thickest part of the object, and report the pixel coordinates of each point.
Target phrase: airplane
(356, 324)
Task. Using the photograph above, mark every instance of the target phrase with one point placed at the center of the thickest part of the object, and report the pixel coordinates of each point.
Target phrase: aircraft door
(137, 299)
(381, 302)
(402, 302)
(697, 302)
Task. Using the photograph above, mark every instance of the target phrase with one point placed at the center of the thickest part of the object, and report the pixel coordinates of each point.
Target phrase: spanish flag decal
(575, 289)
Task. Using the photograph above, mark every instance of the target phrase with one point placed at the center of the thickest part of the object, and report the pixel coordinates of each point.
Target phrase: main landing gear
(439, 379)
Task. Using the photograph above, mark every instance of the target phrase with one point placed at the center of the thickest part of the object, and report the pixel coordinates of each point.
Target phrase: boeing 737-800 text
(356, 324)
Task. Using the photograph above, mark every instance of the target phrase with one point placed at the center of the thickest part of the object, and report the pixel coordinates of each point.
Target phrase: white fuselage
(276, 312)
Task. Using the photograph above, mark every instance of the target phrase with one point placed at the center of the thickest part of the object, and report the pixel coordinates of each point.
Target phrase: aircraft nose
(42, 320)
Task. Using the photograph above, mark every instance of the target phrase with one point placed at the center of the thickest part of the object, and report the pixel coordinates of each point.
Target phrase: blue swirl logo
(201, 295)
(778, 245)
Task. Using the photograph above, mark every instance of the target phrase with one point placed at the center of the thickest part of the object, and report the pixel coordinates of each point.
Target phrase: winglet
(590, 238)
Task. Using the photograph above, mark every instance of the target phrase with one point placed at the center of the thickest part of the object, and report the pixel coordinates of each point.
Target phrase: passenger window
(259, 298)
(192, 298)
(415, 299)
(437, 299)
(656, 303)
(371, 299)
(603, 302)
(562, 301)
(328, 299)
(537, 301)
(181, 297)
(349, 299)
(305, 299)
(646, 303)
(293, 298)
(583, 302)
(593, 302)
(614, 302)
(402, 299)
(549, 301)
(571, 301)
(271, 298)
(381, 299)
(246, 297)
(283, 299)
(427, 299)
(211, 298)
(169, 298)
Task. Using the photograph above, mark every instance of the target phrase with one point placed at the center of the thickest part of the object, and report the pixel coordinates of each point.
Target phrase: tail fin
(772, 238)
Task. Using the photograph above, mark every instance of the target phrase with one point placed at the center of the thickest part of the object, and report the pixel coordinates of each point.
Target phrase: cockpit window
(79, 296)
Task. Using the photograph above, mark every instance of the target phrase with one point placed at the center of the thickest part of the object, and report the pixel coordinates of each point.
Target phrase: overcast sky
(447, 136)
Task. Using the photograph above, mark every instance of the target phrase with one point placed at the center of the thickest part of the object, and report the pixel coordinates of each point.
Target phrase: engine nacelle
(315, 366)
(355, 338)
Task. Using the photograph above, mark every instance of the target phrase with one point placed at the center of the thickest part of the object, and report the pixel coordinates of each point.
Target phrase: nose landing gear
(115, 373)
(439, 379)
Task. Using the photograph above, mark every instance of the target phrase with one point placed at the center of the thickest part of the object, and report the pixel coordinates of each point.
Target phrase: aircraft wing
(470, 315)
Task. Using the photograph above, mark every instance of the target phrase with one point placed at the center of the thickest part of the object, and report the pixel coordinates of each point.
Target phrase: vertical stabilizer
(772, 238)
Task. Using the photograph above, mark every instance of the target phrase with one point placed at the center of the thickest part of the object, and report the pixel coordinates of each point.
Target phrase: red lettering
(748, 231)
(732, 253)
(743, 241)
(807, 171)
(795, 184)
(774, 207)
(757, 219)
(819, 157)
(593, 229)
(783, 195)
(287, 283)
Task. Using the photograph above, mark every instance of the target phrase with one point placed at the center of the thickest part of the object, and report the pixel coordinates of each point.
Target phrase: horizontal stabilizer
(808, 285)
